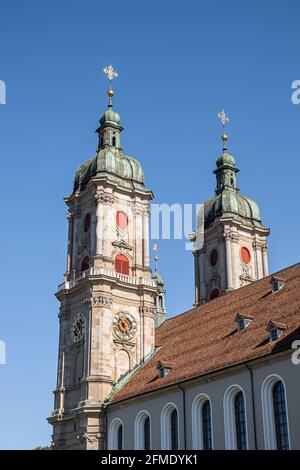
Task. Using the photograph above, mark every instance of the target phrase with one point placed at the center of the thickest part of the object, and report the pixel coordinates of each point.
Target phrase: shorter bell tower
(234, 250)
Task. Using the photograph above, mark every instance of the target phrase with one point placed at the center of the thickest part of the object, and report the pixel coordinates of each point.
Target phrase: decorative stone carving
(122, 245)
(105, 198)
(147, 311)
(87, 437)
(98, 301)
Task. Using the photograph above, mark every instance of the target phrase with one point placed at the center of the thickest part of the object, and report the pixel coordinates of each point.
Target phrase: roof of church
(205, 339)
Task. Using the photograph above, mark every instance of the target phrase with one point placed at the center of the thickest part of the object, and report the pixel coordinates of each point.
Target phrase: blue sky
(179, 64)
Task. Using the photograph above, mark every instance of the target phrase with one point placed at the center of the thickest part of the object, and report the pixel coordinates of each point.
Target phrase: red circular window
(85, 263)
(213, 257)
(87, 222)
(214, 294)
(122, 264)
(245, 255)
(122, 220)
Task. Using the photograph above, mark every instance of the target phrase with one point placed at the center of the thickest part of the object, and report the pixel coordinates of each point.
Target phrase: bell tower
(234, 250)
(108, 300)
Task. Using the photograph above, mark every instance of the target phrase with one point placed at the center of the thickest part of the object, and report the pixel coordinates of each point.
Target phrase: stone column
(264, 251)
(228, 260)
(94, 230)
(197, 278)
(99, 225)
(105, 223)
(76, 227)
(236, 270)
(256, 247)
(70, 217)
(146, 236)
(138, 235)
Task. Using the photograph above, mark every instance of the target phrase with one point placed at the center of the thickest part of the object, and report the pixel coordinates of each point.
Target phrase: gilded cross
(223, 118)
(110, 73)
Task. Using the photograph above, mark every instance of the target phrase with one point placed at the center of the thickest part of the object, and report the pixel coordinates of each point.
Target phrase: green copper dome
(110, 117)
(225, 159)
(112, 165)
(232, 204)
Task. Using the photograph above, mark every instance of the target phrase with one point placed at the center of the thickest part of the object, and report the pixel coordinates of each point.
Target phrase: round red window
(87, 222)
(122, 220)
(214, 294)
(245, 255)
(213, 257)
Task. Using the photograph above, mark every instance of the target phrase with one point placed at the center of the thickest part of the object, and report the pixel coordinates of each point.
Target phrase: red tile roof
(205, 339)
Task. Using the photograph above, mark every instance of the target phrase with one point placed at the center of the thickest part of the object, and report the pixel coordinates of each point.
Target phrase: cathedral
(220, 376)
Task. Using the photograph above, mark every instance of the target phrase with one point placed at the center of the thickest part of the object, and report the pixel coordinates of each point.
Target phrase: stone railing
(108, 273)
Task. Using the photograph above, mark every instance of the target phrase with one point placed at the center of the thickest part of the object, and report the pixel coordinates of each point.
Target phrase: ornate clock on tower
(78, 327)
(124, 326)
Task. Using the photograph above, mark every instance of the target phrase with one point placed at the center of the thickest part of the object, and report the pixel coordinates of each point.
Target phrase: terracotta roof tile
(205, 339)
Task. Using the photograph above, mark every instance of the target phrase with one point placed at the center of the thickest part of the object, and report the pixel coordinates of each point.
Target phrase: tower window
(101, 142)
(122, 220)
(114, 141)
(174, 430)
(245, 255)
(280, 417)
(240, 421)
(213, 257)
(122, 264)
(85, 264)
(232, 182)
(87, 222)
(214, 294)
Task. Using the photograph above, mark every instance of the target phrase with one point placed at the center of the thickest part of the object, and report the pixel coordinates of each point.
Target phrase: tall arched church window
(122, 264)
(240, 421)
(280, 417)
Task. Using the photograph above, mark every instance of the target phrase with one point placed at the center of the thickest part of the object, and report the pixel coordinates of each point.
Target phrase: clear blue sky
(179, 64)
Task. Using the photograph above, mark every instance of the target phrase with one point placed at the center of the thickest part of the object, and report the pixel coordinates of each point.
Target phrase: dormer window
(242, 321)
(277, 283)
(163, 368)
(275, 330)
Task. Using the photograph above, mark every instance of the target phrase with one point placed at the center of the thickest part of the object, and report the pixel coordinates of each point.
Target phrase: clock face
(124, 326)
(78, 327)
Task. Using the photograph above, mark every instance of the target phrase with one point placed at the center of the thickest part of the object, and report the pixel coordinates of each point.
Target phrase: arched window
(85, 264)
(78, 368)
(121, 220)
(169, 428)
(280, 416)
(116, 435)
(275, 414)
(240, 421)
(120, 438)
(174, 430)
(235, 419)
(122, 264)
(142, 431)
(114, 141)
(206, 426)
(202, 423)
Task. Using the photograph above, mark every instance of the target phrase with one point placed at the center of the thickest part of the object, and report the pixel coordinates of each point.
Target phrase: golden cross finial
(110, 73)
(224, 119)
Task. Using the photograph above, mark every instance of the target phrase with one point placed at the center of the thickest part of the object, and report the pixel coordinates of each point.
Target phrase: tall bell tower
(234, 249)
(108, 300)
